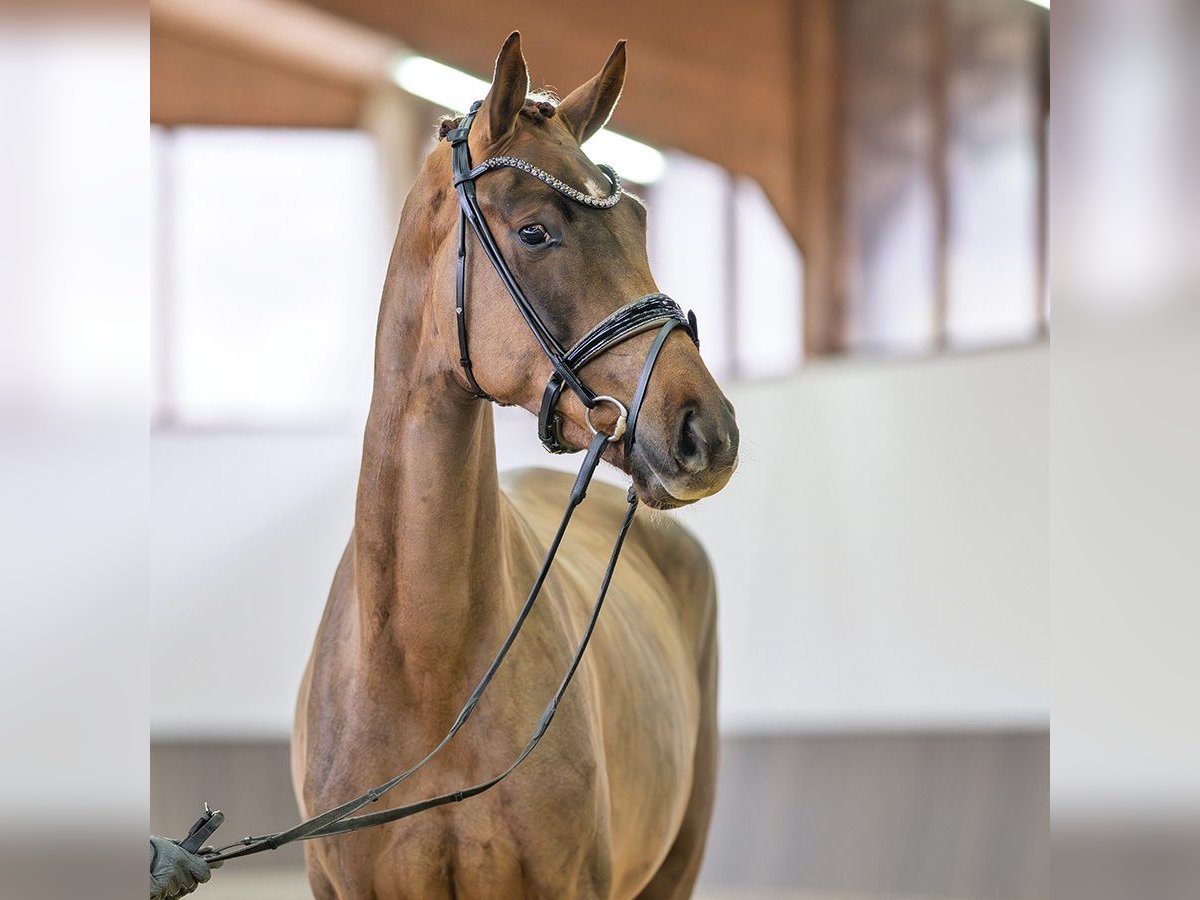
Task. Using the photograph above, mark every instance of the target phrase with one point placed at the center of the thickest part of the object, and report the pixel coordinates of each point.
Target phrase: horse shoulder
(685, 564)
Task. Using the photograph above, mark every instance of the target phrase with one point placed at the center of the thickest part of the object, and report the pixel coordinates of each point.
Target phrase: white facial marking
(596, 190)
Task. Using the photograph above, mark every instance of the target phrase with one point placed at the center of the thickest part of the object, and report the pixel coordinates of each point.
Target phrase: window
(718, 247)
(271, 253)
(943, 136)
(271, 256)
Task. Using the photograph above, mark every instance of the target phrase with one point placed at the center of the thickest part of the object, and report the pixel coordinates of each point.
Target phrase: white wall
(882, 553)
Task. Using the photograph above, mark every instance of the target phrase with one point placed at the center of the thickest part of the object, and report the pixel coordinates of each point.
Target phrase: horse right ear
(506, 97)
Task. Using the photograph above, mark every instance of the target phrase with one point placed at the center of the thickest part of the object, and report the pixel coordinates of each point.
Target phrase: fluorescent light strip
(456, 91)
(1045, 4)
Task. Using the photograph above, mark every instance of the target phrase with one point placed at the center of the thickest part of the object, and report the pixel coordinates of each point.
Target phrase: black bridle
(644, 314)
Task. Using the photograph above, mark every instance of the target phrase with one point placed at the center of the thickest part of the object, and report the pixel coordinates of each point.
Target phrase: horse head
(576, 263)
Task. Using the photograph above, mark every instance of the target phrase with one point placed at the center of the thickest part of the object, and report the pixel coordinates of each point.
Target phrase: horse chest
(579, 818)
(570, 825)
(591, 813)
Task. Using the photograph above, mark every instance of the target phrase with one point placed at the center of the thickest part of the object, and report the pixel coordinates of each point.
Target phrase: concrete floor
(288, 884)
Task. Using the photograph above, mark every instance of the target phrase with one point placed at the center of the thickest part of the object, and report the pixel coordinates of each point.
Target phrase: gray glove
(173, 871)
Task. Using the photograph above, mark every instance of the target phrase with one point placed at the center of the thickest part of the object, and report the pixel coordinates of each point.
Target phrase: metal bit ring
(622, 417)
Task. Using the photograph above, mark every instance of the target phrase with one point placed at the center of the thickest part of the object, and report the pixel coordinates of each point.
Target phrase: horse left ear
(506, 96)
(587, 108)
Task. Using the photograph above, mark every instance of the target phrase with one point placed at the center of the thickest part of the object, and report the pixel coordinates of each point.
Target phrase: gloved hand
(173, 871)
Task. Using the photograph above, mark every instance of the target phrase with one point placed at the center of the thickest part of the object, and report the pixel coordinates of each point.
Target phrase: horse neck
(428, 531)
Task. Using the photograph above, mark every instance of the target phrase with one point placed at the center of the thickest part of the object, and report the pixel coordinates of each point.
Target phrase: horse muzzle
(693, 460)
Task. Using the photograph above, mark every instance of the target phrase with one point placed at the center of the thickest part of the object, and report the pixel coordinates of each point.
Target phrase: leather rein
(641, 315)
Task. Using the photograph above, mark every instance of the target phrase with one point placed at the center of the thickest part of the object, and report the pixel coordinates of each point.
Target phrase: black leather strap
(639, 393)
(464, 182)
(647, 312)
(550, 420)
(633, 318)
(545, 339)
(460, 311)
(461, 156)
(338, 820)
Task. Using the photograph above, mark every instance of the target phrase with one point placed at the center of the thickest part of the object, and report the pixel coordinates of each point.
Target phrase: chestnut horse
(616, 800)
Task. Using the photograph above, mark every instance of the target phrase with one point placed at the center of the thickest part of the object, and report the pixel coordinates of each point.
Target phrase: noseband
(644, 314)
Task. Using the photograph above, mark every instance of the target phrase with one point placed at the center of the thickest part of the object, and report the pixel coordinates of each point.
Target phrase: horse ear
(586, 109)
(506, 96)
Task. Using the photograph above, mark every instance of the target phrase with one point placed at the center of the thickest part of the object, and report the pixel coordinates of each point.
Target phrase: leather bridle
(641, 315)
(645, 313)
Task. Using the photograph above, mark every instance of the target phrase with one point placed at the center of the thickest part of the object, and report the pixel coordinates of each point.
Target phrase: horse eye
(534, 235)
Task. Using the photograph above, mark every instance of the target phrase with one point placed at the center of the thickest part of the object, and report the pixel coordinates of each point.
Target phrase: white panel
(881, 553)
(992, 260)
(276, 267)
(770, 288)
(73, 491)
(895, 309)
(247, 530)
(687, 245)
(72, 270)
(992, 178)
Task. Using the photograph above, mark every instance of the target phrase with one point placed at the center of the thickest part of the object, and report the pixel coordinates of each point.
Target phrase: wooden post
(817, 167)
(403, 128)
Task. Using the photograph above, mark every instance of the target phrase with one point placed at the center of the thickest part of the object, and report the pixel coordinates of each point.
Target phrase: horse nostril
(691, 450)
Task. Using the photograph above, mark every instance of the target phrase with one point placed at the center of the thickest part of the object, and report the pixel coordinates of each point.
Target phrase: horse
(616, 801)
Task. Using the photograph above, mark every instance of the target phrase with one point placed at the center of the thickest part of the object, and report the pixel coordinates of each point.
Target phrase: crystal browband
(512, 162)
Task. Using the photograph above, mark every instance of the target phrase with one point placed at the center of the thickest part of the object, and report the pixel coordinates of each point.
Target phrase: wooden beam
(714, 85)
(193, 83)
(939, 167)
(261, 62)
(816, 191)
(750, 87)
(284, 33)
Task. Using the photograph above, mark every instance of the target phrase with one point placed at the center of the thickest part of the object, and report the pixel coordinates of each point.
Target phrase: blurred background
(851, 197)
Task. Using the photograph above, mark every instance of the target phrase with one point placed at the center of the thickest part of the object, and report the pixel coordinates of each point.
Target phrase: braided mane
(539, 106)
